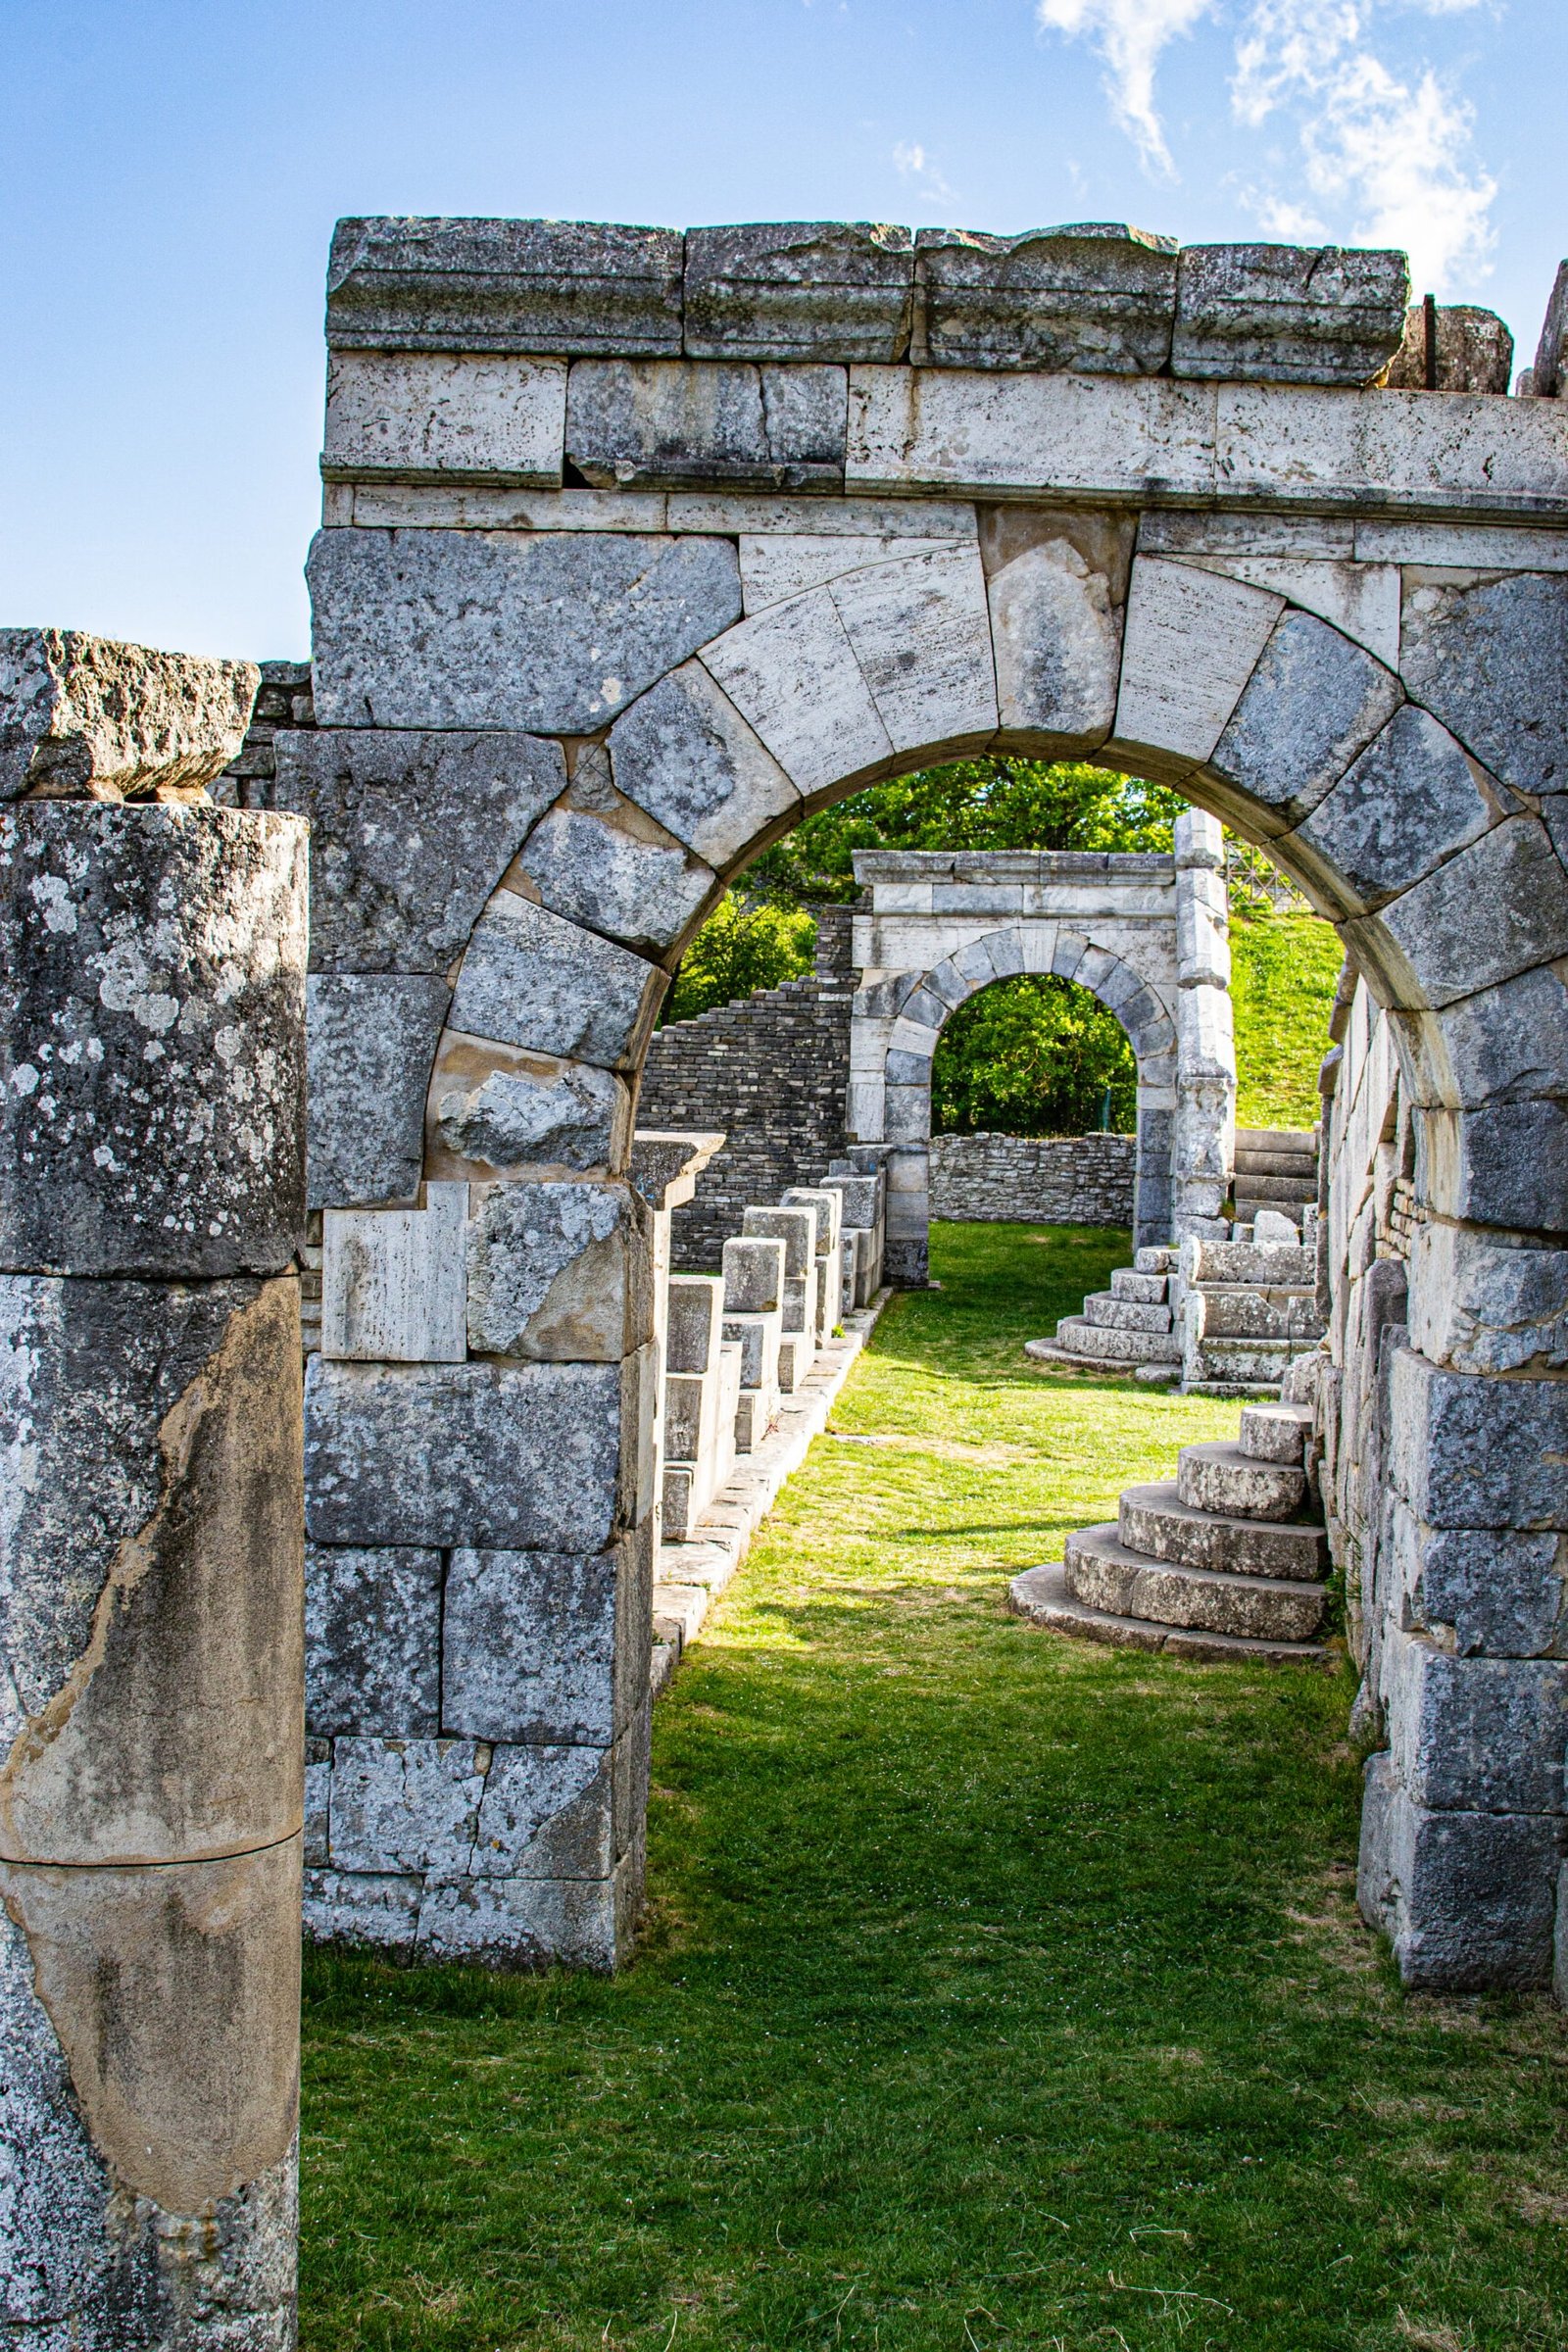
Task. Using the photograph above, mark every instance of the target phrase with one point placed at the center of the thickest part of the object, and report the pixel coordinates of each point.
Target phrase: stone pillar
(152, 1109)
(1205, 1130)
(664, 1168)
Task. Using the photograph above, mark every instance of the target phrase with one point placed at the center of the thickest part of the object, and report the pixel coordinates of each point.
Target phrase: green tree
(1032, 1057)
(740, 948)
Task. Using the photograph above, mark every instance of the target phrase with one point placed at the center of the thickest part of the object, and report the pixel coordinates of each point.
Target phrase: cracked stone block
(793, 674)
(497, 1111)
(526, 287)
(548, 1813)
(1191, 641)
(1410, 800)
(410, 413)
(407, 1805)
(546, 1645)
(153, 1432)
(535, 1922)
(1312, 706)
(602, 861)
(1287, 314)
(373, 1641)
(685, 755)
(377, 1909)
(1467, 1900)
(1510, 1041)
(1497, 908)
(694, 427)
(1097, 299)
(557, 1271)
(1477, 1735)
(1495, 1591)
(151, 1118)
(1474, 350)
(410, 834)
(519, 1456)
(757, 1336)
(549, 632)
(823, 290)
(87, 718)
(371, 1040)
(535, 978)
(1486, 655)
(1471, 1453)
(1057, 642)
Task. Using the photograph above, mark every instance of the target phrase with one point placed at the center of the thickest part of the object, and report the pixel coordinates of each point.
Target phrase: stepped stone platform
(1275, 1167)
(1223, 1561)
(1129, 1328)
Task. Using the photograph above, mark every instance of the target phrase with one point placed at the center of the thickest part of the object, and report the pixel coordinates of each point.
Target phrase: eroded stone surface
(557, 1271)
(630, 421)
(1411, 799)
(1313, 704)
(504, 286)
(87, 718)
(825, 290)
(1098, 298)
(1486, 655)
(1287, 314)
(545, 1646)
(373, 1641)
(685, 755)
(497, 1110)
(1057, 647)
(371, 1039)
(602, 861)
(532, 977)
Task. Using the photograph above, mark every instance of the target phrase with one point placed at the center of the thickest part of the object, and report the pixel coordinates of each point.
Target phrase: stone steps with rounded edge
(1041, 1595)
(1111, 1313)
(1220, 1478)
(1101, 1571)
(1275, 1433)
(1099, 1340)
(1302, 1140)
(1149, 1290)
(1154, 1520)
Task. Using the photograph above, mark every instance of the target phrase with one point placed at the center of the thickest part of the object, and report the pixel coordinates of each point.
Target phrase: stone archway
(554, 722)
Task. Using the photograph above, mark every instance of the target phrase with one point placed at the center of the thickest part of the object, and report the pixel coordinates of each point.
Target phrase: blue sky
(170, 173)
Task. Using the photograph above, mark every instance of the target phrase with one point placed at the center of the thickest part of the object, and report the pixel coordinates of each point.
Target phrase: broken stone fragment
(1474, 350)
(602, 861)
(86, 719)
(537, 286)
(558, 1272)
(684, 754)
(1095, 299)
(1287, 314)
(1058, 649)
(371, 1040)
(828, 290)
(498, 1110)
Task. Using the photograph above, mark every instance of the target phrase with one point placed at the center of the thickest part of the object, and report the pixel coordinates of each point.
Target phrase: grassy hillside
(1282, 971)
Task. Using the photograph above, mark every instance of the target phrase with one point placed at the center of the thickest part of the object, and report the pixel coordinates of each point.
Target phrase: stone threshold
(690, 1576)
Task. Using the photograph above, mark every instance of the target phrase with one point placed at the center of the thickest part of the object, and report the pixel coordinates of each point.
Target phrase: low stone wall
(1034, 1180)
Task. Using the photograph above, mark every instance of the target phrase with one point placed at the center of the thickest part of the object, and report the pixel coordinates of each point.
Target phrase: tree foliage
(1033, 1056)
(740, 948)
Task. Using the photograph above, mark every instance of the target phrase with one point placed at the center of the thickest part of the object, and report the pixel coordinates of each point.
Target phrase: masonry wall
(1035, 1180)
(770, 1073)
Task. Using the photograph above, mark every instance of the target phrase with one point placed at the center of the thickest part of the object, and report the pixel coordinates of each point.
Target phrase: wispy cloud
(1130, 36)
(911, 161)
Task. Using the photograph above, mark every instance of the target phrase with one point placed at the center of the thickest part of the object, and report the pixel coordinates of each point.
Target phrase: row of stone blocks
(1226, 1560)
(1275, 1169)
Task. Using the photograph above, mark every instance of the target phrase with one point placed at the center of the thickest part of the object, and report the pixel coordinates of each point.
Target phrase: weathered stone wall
(770, 1073)
(1035, 1180)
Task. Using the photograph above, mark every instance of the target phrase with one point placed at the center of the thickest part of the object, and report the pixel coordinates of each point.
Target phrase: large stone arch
(553, 725)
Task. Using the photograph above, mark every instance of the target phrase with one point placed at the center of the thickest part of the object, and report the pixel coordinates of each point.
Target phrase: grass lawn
(997, 1990)
(1282, 971)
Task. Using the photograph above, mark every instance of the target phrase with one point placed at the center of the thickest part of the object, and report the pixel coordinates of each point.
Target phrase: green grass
(1282, 971)
(998, 1991)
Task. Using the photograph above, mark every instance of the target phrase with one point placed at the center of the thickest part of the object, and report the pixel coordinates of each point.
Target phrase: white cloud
(1130, 36)
(911, 161)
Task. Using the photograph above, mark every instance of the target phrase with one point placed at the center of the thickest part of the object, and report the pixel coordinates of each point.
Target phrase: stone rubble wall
(1035, 1180)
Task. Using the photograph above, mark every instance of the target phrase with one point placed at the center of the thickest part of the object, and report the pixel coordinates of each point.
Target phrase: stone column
(1204, 1137)
(152, 1107)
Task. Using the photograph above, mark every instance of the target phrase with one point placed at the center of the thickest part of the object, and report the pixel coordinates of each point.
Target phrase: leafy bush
(737, 950)
(1033, 1056)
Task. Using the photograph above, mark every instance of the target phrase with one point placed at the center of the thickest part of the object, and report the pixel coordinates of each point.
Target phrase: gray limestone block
(405, 1805)
(1095, 299)
(373, 1641)
(499, 1111)
(602, 861)
(151, 1432)
(518, 1456)
(534, 1922)
(86, 719)
(152, 1066)
(549, 632)
(1468, 1452)
(1477, 1735)
(684, 754)
(823, 290)
(317, 1805)
(1312, 704)
(1487, 656)
(906, 1119)
(863, 1197)
(1548, 374)
(1497, 908)
(692, 426)
(908, 1069)
(1510, 1041)
(753, 1275)
(1480, 1303)
(1410, 800)
(410, 834)
(548, 1813)
(533, 977)
(536, 287)
(1006, 955)
(1287, 314)
(694, 1313)
(371, 1039)
(686, 1394)
(1504, 1165)
(1468, 1900)
(546, 1646)
(1474, 350)
(796, 1228)
(757, 1338)
(375, 1909)
(1498, 1594)
(1057, 642)
(830, 1207)
(557, 1271)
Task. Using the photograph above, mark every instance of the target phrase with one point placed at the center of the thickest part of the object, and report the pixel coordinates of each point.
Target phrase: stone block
(392, 1281)
(409, 414)
(441, 628)
(602, 861)
(545, 1646)
(828, 1201)
(800, 1301)
(753, 1275)
(1098, 298)
(86, 719)
(685, 755)
(920, 632)
(1476, 1734)
(513, 1457)
(559, 1273)
(371, 1040)
(695, 1313)
(1466, 1898)
(1057, 645)
(792, 674)
(152, 1116)
(373, 1641)
(796, 1356)
(1473, 351)
(534, 286)
(1411, 799)
(533, 977)
(405, 1805)
(410, 834)
(812, 290)
(548, 1813)
(154, 1499)
(794, 1227)
(678, 1508)
(1485, 1592)
(1548, 374)
(778, 565)
(317, 1805)
(1312, 706)
(499, 1111)
(1287, 313)
(1479, 1304)
(534, 1922)
(863, 1197)
(758, 1336)
(690, 426)
(1506, 1164)
(1483, 655)
(1471, 1453)
(1192, 639)
(1506, 1042)
(378, 1910)
(1497, 908)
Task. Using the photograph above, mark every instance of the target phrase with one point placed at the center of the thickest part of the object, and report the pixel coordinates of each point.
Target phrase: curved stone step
(1041, 1595)
(1104, 1574)
(1154, 1520)
(1092, 1341)
(1111, 1313)
(1275, 1433)
(1221, 1478)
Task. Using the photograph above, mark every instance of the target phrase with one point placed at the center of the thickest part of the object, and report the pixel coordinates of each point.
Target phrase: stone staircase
(1226, 1560)
(1131, 1327)
(1275, 1167)
(1248, 1309)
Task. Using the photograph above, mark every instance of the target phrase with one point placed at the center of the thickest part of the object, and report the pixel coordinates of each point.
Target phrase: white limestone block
(922, 634)
(429, 411)
(1057, 643)
(1038, 940)
(1467, 452)
(792, 674)
(1198, 842)
(1192, 639)
(461, 506)
(967, 431)
(1361, 598)
(393, 1282)
(1462, 545)
(784, 563)
(1181, 532)
(753, 516)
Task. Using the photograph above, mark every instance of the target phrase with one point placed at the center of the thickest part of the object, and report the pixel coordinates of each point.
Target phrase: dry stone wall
(1035, 1180)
